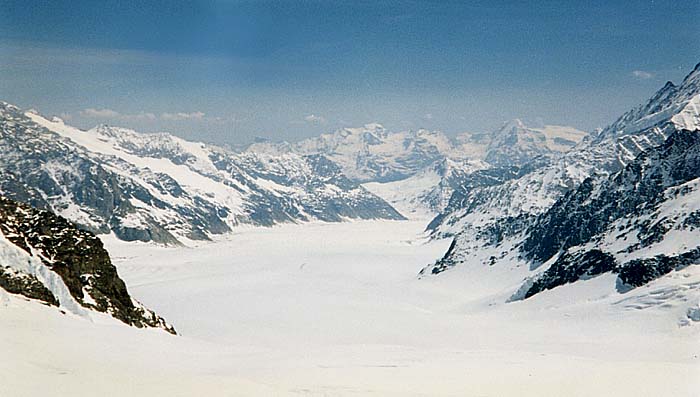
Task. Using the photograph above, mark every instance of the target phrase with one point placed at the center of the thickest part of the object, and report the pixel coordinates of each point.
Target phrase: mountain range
(157, 187)
(624, 201)
(374, 154)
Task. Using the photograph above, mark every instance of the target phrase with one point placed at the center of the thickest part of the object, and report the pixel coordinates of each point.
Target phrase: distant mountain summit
(373, 154)
(516, 144)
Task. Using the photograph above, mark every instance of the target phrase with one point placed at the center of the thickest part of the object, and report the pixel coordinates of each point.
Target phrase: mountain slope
(640, 223)
(620, 202)
(156, 187)
(545, 179)
(45, 257)
(418, 171)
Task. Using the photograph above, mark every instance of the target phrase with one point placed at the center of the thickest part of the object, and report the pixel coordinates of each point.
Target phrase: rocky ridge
(45, 257)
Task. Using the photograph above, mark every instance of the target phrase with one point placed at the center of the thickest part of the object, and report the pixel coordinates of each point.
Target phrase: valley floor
(338, 310)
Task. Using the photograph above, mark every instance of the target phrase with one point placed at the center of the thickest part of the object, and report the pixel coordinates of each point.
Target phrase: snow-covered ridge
(373, 154)
(539, 184)
(515, 144)
(672, 107)
(418, 171)
(157, 187)
(620, 202)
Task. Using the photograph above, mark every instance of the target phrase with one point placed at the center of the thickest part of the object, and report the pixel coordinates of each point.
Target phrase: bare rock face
(76, 255)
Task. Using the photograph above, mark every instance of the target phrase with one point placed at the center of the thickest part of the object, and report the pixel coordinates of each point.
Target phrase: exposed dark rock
(591, 208)
(79, 257)
(17, 282)
(467, 188)
(444, 263)
(574, 266)
(638, 272)
(571, 267)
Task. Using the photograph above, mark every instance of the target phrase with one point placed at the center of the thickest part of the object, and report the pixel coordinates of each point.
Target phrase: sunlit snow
(337, 310)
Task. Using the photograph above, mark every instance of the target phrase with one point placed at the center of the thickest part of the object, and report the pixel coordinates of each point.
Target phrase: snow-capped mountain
(640, 223)
(418, 171)
(371, 152)
(516, 144)
(46, 258)
(539, 183)
(623, 201)
(157, 187)
(374, 154)
(672, 108)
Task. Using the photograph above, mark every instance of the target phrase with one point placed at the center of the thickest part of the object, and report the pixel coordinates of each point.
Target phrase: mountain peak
(511, 124)
(374, 126)
(660, 109)
(691, 82)
(669, 84)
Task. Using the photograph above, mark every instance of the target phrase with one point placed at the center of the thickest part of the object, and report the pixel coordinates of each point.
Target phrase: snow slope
(428, 192)
(337, 310)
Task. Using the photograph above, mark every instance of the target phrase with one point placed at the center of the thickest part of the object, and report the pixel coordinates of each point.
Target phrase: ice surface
(337, 310)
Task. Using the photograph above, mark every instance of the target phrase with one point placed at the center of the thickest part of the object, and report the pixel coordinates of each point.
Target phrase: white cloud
(428, 116)
(109, 114)
(182, 116)
(144, 116)
(100, 113)
(642, 75)
(313, 119)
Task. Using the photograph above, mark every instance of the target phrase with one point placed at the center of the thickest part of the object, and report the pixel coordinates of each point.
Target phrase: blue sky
(227, 71)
